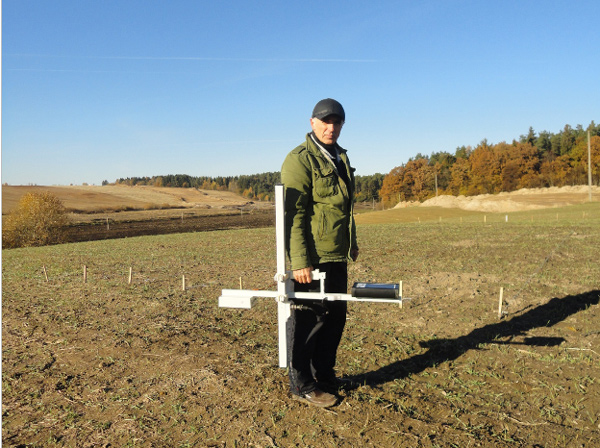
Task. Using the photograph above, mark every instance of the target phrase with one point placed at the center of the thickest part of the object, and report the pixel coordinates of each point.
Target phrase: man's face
(327, 129)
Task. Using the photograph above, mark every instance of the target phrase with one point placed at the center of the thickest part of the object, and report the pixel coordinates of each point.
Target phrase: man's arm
(297, 179)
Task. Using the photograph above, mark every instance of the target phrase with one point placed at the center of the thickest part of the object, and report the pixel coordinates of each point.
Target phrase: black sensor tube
(376, 290)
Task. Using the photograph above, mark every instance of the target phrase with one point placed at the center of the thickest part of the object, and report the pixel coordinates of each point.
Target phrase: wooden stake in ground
(130, 276)
(500, 303)
(183, 283)
(45, 273)
(84, 273)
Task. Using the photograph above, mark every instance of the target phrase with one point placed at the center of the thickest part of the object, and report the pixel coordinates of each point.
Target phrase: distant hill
(89, 199)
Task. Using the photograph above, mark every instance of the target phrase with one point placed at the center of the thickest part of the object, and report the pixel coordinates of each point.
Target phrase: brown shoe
(317, 398)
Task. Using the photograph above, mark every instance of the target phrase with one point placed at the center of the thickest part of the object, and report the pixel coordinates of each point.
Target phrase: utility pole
(589, 167)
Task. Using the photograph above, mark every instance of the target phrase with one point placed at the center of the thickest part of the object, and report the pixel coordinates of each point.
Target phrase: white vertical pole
(283, 314)
(400, 293)
(283, 305)
(280, 227)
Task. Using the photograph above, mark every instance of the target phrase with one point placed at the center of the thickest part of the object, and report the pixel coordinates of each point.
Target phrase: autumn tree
(578, 160)
(392, 183)
(460, 177)
(595, 150)
(485, 170)
(38, 219)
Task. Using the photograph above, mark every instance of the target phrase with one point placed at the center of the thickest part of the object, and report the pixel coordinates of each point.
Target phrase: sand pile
(520, 200)
(482, 203)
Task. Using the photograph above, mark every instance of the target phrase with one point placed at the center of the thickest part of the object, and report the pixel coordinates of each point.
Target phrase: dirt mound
(520, 200)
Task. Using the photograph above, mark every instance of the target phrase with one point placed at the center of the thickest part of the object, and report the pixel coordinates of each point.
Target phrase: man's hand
(354, 254)
(303, 275)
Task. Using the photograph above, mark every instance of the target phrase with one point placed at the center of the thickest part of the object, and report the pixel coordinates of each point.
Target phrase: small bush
(38, 220)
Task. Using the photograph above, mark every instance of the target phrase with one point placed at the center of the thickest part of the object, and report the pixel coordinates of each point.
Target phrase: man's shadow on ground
(443, 350)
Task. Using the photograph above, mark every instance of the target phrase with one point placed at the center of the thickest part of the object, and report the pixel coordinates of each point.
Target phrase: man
(320, 231)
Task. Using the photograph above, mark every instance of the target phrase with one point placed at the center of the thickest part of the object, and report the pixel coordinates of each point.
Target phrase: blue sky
(99, 90)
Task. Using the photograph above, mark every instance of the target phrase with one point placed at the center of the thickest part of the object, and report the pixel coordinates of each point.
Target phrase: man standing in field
(320, 230)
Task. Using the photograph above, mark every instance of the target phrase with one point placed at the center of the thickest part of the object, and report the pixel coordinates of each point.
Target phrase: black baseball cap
(327, 107)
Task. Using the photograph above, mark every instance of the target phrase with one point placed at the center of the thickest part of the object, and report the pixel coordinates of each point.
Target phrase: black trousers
(314, 331)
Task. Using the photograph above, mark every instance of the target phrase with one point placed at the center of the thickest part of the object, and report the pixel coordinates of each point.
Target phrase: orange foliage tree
(38, 219)
(534, 161)
(485, 170)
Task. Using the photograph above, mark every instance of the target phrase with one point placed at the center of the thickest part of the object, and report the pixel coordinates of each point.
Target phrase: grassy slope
(118, 197)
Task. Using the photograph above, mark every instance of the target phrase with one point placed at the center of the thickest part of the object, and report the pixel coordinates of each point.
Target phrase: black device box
(376, 290)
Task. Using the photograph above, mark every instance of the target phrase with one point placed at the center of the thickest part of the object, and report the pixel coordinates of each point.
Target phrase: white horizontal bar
(250, 293)
(236, 302)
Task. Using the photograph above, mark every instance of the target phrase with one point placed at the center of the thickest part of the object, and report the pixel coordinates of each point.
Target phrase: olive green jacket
(319, 207)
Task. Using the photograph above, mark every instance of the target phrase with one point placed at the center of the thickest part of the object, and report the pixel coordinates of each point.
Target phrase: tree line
(532, 161)
(255, 187)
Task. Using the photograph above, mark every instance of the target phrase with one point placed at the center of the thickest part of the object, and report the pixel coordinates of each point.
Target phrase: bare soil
(109, 364)
(102, 229)
(121, 211)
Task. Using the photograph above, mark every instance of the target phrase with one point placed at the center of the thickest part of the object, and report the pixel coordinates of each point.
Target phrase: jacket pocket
(322, 225)
(325, 183)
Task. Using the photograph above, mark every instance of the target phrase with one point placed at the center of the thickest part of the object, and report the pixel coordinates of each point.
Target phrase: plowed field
(106, 363)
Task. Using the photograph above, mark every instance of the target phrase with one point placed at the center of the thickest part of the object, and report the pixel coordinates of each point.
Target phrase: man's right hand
(303, 275)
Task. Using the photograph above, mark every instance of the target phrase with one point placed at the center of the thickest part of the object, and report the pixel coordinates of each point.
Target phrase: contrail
(197, 58)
